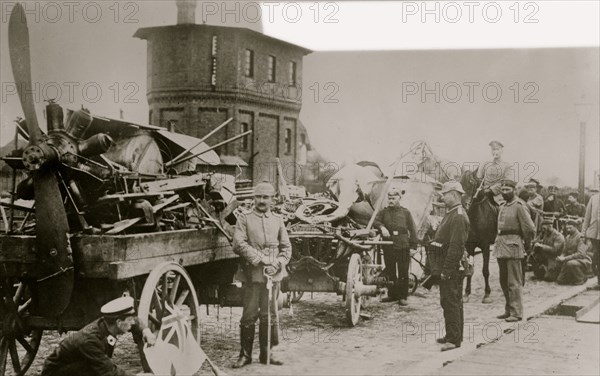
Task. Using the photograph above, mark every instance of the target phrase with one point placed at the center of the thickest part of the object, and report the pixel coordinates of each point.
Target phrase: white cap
(119, 307)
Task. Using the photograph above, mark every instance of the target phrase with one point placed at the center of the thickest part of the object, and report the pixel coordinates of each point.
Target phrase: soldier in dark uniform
(573, 207)
(515, 232)
(262, 241)
(449, 242)
(396, 223)
(552, 203)
(88, 352)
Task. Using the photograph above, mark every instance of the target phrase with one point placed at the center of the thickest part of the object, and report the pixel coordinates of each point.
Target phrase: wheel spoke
(24, 306)
(3, 354)
(155, 320)
(156, 300)
(19, 293)
(164, 289)
(14, 356)
(182, 297)
(174, 289)
(25, 344)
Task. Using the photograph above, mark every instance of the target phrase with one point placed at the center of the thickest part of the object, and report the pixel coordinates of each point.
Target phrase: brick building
(198, 76)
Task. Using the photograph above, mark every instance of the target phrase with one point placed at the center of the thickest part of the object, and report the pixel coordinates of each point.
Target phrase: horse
(483, 216)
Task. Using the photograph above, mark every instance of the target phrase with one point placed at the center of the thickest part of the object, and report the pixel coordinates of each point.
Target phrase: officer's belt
(510, 232)
(402, 231)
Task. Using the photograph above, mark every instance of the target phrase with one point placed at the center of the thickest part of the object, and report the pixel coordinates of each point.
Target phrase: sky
(362, 85)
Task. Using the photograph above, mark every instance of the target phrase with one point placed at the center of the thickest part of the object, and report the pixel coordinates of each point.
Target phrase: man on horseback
(515, 231)
(492, 172)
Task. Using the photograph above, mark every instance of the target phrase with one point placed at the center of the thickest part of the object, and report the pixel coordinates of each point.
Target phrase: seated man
(546, 247)
(574, 260)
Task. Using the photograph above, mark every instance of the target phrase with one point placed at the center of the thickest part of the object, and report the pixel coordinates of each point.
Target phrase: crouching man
(262, 242)
(574, 262)
(89, 351)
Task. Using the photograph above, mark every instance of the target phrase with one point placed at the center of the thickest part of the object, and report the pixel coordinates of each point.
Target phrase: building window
(288, 141)
(272, 69)
(292, 73)
(245, 143)
(249, 70)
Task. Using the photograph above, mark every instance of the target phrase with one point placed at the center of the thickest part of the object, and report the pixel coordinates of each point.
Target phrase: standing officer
(396, 222)
(89, 351)
(492, 172)
(515, 231)
(260, 238)
(450, 239)
(591, 230)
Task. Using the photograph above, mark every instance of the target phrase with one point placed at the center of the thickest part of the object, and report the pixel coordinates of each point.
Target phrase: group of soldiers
(261, 240)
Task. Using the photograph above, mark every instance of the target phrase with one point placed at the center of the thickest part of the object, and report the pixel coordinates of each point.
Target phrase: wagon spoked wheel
(353, 299)
(168, 294)
(17, 341)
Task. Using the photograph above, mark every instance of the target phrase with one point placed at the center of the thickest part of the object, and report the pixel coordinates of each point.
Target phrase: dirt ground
(316, 340)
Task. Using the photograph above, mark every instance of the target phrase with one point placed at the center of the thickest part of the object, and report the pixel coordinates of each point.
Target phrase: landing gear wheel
(16, 339)
(353, 300)
(168, 291)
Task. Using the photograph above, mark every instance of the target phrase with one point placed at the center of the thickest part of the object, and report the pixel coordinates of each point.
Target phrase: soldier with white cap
(449, 240)
(262, 241)
(89, 351)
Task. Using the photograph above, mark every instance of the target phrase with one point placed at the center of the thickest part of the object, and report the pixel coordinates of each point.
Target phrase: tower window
(288, 141)
(244, 129)
(272, 73)
(249, 63)
(292, 73)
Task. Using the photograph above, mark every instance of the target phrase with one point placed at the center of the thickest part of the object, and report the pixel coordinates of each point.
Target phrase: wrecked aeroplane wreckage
(109, 208)
(335, 249)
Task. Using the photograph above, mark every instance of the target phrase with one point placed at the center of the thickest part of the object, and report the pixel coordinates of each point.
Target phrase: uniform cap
(572, 222)
(530, 185)
(452, 185)
(547, 221)
(264, 189)
(122, 306)
(508, 183)
(553, 188)
(395, 192)
(496, 144)
(537, 183)
(574, 194)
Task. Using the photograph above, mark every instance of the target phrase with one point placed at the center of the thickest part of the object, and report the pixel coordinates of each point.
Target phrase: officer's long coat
(261, 234)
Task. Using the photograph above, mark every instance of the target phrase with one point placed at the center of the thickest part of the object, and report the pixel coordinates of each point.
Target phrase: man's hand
(384, 232)
(560, 258)
(444, 276)
(266, 260)
(270, 270)
(149, 337)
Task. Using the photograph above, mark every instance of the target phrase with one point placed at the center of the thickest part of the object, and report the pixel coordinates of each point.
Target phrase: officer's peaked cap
(496, 144)
(119, 307)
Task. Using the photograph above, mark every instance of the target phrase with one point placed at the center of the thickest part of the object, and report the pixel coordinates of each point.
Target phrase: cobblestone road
(316, 340)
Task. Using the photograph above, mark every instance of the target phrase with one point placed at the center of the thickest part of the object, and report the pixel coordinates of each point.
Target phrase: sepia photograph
(238, 187)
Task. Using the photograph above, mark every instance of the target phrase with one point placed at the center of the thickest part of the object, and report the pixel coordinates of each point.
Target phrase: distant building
(198, 76)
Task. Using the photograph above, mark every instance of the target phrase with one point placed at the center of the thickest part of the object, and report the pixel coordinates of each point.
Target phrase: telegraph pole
(583, 112)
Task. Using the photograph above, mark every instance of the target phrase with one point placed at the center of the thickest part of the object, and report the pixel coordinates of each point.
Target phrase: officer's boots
(262, 337)
(247, 341)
